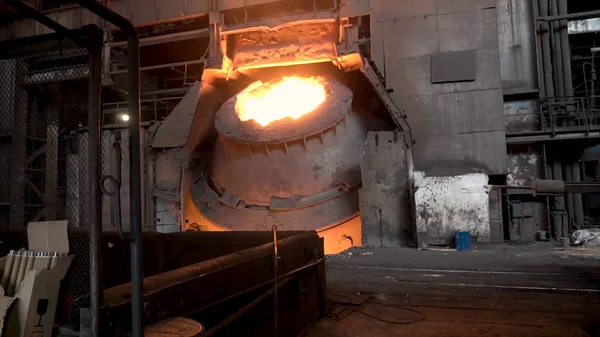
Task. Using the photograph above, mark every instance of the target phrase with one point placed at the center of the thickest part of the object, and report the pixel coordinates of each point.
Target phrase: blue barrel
(463, 241)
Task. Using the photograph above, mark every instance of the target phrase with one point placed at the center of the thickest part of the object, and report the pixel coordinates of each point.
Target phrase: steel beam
(18, 150)
(16, 48)
(149, 41)
(32, 13)
(57, 75)
(161, 66)
(570, 17)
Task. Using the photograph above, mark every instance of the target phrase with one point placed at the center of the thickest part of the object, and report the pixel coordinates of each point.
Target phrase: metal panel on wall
(458, 127)
(517, 44)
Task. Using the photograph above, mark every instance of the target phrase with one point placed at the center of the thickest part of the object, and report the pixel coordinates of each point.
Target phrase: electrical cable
(420, 319)
(361, 310)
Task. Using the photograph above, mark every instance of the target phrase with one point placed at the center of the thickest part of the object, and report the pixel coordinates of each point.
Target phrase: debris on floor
(586, 237)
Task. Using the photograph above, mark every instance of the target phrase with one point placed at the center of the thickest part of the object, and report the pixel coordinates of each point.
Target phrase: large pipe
(135, 181)
(570, 207)
(565, 49)
(538, 53)
(577, 199)
(557, 54)
(546, 54)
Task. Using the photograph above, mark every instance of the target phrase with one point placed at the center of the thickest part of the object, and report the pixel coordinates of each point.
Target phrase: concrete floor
(527, 290)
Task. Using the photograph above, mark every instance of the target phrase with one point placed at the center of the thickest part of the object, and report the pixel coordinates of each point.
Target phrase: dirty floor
(506, 290)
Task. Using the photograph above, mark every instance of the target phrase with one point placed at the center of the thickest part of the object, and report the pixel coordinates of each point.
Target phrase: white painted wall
(445, 205)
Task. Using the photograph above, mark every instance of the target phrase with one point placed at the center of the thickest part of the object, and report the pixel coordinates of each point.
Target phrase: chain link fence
(45, 103)
(44, 156)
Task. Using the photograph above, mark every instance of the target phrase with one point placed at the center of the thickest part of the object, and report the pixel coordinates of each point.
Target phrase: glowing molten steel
(291, 97)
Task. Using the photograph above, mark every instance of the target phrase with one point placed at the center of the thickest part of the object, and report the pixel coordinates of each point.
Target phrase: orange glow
(291, 97)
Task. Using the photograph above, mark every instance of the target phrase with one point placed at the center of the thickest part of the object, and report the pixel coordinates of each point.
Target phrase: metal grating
(44, 172)
(46, 102)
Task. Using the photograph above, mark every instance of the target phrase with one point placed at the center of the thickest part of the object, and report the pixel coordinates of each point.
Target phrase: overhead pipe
(565, 49)
(546, 54)
(135, 181)
(570, 17)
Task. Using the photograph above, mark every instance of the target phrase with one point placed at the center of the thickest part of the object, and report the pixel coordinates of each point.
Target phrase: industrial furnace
(277, 134)
(294, 162)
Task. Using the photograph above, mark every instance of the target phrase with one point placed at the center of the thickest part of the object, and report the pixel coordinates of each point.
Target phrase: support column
(18, 175)
(558, 208)
(577, 199)
(50, 196)
(569, 196)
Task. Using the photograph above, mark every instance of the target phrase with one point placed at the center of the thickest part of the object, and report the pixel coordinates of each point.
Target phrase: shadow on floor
(536, 290)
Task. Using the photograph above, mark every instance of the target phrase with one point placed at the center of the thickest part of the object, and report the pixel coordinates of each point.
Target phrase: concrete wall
(524, 166)
(445, 205)
(384, 197)
(458, 127)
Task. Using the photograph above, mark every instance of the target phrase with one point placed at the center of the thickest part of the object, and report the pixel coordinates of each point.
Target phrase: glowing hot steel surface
(291, 97)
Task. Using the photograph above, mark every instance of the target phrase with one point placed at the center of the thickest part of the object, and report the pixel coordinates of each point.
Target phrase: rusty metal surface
(332, 212)
(304, 168)
(163, 252)
(181, 292)
(174, 327)
(291, 43)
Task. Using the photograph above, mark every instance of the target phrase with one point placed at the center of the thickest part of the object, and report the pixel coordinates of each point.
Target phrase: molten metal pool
(291, 97)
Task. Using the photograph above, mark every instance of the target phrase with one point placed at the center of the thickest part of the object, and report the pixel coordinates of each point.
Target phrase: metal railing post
(95, 172)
